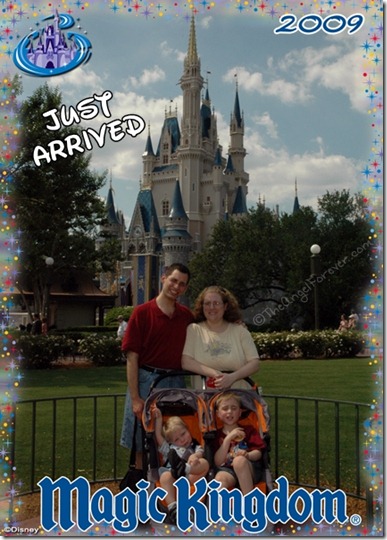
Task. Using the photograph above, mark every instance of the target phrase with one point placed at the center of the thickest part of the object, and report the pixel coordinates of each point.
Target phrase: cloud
(296, 77)
(273, 173)
(265, 121)
(205, 21)
(285, 91)
(148, 76)
(170, 53)
(79, 82)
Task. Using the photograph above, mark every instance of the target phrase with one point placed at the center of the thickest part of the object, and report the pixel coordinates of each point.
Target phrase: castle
(188, 184)
(52, 50)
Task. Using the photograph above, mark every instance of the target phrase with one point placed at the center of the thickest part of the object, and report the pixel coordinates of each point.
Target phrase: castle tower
(176, 239)
(188, 186)
(190, 152)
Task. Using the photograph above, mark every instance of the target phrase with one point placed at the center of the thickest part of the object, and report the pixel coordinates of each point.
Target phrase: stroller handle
(179, 373)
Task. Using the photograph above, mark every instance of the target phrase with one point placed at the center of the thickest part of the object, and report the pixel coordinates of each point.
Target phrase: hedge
(312, 344)
(37, 352)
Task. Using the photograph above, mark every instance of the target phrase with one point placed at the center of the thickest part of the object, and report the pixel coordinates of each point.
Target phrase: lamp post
(49, 263)
(315, 270)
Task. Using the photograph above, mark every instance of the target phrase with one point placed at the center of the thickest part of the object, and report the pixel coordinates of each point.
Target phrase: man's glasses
(213, 304)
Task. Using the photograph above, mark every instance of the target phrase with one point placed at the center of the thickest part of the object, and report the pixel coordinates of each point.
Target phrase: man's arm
(132, 377)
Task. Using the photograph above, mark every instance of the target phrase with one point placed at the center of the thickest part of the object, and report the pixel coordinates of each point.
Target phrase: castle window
(165, 159)
(165, 146)
(165, 208)
(193, 186)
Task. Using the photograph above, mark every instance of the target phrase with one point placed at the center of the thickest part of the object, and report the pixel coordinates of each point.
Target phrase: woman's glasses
(213, 304)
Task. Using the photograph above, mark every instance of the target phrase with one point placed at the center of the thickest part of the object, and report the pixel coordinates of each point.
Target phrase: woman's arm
(225, 380)
(190, 364)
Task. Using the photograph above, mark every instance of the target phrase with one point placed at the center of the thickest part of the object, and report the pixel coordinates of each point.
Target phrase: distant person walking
(36, 328)
(353, 320)
(343, 326)
(122, 325)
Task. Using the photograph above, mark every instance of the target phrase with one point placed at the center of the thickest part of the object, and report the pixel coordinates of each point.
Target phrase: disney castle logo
(47, 53)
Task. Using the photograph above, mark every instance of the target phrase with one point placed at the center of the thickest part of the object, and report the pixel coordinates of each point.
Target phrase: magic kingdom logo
(51, 51)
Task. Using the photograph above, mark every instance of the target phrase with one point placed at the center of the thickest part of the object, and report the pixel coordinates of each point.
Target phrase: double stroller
(197, 408)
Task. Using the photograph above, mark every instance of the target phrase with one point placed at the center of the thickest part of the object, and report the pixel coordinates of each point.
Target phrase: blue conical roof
(218, 157)
(229, 166)
(177, 210)
(149, 147)
(148, 211)
(237, 110)
(240, 202)
(111, 212)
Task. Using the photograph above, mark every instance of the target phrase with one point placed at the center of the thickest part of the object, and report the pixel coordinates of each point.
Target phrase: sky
(304, 96)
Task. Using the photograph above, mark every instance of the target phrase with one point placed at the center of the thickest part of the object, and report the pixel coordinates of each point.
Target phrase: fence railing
(315, 443)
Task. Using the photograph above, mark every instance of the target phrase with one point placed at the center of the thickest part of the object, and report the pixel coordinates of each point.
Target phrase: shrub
(112, 314)
(312, 344)
(101, 349)
(274, 345)
(38, 352)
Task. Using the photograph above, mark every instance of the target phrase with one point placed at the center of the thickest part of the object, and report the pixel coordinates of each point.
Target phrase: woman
(343, 326)
(217, 343)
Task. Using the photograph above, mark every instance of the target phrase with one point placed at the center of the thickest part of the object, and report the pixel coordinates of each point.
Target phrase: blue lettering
(187, 502)
(157, 494)
(306, 507)
(231, 505)
(280, 513)
(102, 505)
(125, 511)
(65, 488)
(254, 512)
(142, 501)
(213, 501)
(329, 506)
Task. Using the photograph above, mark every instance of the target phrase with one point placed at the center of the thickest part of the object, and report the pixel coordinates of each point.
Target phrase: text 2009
(310, 24)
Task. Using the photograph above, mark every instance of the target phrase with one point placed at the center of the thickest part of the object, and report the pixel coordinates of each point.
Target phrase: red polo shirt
(155, 337)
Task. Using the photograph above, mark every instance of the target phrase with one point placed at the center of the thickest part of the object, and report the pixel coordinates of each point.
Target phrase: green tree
(298, 232)
(242, 255)
(265, 260)
(345, 254)
(59, 210)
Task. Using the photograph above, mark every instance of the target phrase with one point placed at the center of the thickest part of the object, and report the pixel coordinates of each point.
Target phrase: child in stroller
(237, 449)
(160, 410)
(182, 455)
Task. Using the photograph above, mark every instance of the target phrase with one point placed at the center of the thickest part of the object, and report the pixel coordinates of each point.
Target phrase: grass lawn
(343, 379)
(102, 457)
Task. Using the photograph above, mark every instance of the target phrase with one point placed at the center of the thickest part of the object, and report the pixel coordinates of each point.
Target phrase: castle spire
(192, 54)
(296, 206)
(237, 109)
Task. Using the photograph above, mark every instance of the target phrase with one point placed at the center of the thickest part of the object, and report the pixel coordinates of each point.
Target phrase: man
(36, 329)
(153, 344)
(122, 324)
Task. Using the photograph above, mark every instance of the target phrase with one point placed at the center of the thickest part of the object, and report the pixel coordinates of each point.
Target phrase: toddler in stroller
(237, 449)
(181, 455)
(175, 422)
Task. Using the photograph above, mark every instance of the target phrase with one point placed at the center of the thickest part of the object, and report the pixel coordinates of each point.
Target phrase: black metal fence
(315, 443)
